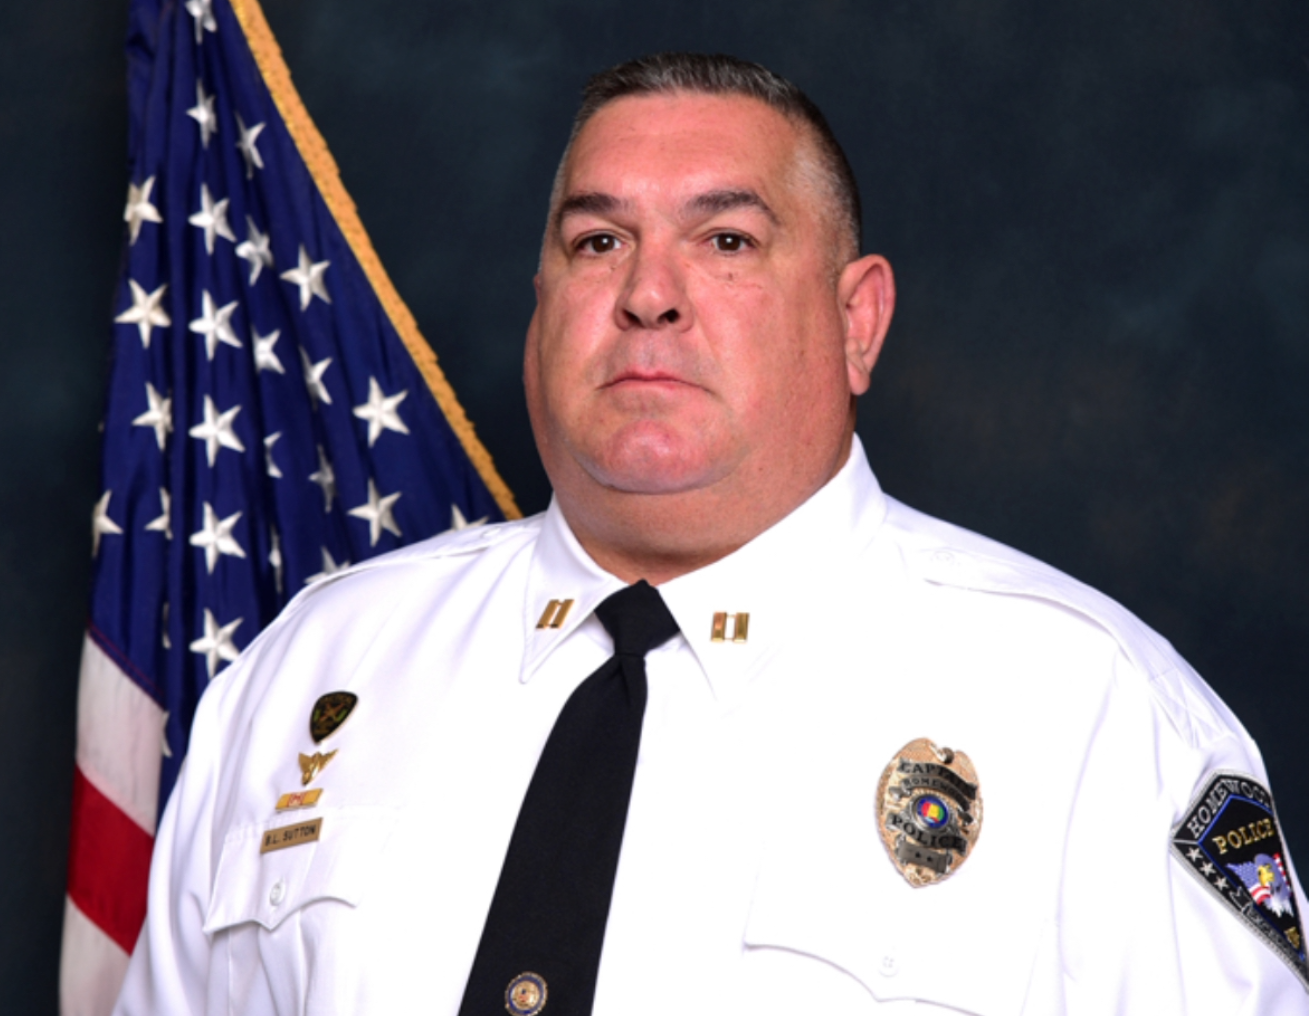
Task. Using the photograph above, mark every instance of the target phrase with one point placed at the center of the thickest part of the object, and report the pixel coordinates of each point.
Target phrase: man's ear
(866, 291)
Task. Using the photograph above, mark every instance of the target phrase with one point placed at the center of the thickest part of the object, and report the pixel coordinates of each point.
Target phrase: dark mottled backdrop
(1099, 214)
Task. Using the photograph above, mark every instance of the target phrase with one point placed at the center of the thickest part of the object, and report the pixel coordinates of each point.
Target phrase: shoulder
(970, 567)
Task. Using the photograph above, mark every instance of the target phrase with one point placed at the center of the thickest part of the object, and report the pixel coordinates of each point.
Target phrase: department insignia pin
(1229, 839)
(929, 811)
(312, 765)
(330, 711)
(526, 994)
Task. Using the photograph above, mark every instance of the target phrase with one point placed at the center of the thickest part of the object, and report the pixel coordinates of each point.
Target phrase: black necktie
(540, 949)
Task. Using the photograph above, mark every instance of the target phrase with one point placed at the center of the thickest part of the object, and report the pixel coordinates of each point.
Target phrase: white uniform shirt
(752, 878)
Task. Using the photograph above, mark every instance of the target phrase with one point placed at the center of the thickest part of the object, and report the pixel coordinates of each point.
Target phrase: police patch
(1229, 839)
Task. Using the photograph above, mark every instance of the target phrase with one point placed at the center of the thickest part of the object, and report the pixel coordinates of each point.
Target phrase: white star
(308, 275)
(314, 378)
(1193, 853)
(265, 358)
(458, 522)
(139, 209)
(159, 415)
(215, 324)
(270, 467)
(247, 146)
(163, 628)
(145, 311)
(377, 513)
(215, 536)
(380, 412)
(1207, 868)
(275, 558)
(325, 478)
(164, 523)
(212, 218)
(203, 114)
(1221, 885)
(254, 248)
(163, 738)
(202, 11)
(216, 430)
(330, 567)
(216, 643)
(101, 523)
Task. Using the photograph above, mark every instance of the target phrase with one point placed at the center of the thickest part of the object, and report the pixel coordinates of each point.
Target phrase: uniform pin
(526, 994)
(312, 765)
(929, 811)
(299, 799)
(329, 712)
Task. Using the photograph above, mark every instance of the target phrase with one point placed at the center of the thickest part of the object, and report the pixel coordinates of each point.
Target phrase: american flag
(273, 415)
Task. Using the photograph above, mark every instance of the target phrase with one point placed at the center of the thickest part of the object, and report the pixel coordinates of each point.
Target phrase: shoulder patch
(1229, 839)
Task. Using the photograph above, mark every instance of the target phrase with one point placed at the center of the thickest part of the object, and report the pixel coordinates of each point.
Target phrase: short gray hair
(719, 74)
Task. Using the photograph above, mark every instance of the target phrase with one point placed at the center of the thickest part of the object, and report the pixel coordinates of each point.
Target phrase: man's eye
(600, 243)
(729, 243)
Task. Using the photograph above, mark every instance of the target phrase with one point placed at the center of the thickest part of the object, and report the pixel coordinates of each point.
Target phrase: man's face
(688, 332)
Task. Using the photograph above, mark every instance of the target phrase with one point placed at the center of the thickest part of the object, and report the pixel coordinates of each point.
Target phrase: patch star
(254, 248)
(1207, 868)
(308, 275)
(101, 523)
(203, 114)
(145, 311)
(265, 358)
(139, 209)
(215, 324)
(275, 558)
(380, 412)
(330, 567)
(216, 643)
(314, 378)
(159, 415)
(216, 430)
(1221, 885)
(212, 218)
(202, 11)
(164, 523)
(377, 513)
(249, 152)
(325, 478)
(458, 522)
(1193, 853)
(216, 538)
(270, 467)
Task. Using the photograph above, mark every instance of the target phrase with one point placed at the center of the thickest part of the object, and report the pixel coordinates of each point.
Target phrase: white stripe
(92, 967)
(119, 737)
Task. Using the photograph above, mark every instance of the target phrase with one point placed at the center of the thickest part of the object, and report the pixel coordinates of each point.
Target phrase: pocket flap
(265, 886)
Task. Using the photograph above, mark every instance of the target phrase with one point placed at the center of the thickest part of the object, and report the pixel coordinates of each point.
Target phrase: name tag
(291, 835)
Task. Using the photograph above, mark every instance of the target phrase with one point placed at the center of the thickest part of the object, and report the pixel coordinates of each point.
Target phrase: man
(885, 763)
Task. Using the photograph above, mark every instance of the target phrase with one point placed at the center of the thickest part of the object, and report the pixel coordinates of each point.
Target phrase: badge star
(275, 558)
(253, 160)
(314, 378)
(212, 218)
(101, 523)
(380, 412)
(216, 539)
(1207, 868)
(216, 643)
(1221, 885)
(203, 114)
(377, 513)
(458, 522)
(215, 324)
(139, 209)
(265, 358)
(163, 524)
(270, 467)
(325, 478)
(216, 430)
(202, 11)
(159, 416)
(330, 567)
(308, 275)
(145, 311)
(255, 249)
(1194, 853)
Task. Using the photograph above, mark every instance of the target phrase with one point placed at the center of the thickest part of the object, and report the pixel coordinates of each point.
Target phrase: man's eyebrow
(588, 203)
(715, 201)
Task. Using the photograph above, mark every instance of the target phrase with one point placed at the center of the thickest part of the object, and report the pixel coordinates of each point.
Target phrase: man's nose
(654, 294)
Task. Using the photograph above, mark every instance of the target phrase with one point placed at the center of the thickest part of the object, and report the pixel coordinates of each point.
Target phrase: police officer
(882, 764)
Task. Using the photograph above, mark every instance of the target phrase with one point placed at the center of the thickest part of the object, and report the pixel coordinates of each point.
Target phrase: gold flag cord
(323, 169)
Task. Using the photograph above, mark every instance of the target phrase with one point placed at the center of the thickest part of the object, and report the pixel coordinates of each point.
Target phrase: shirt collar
(764, 580)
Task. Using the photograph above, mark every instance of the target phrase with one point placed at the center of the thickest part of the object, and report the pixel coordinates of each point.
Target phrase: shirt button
(890, 965)
(278, 893)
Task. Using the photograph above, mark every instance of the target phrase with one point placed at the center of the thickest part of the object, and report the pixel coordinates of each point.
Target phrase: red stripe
(108, 864)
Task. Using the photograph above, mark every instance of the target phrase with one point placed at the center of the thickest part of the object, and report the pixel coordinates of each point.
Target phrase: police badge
(929, 811)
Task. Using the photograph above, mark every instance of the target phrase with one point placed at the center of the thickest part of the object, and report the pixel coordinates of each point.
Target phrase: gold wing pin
(312, 765)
